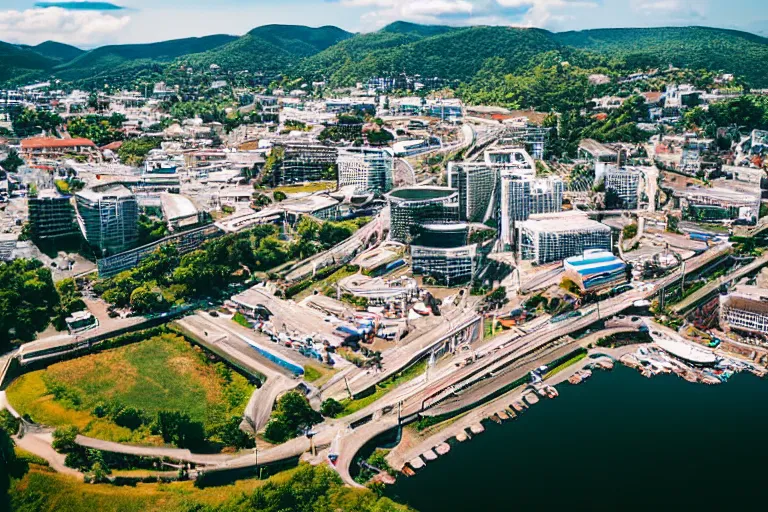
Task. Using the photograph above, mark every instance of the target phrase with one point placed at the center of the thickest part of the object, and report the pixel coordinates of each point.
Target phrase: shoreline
(417, 450)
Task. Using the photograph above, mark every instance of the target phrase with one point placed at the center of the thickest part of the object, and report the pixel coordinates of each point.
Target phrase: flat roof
(308, 204)
(176, 206)
(555, 225)
(111, 189)
(422, 193)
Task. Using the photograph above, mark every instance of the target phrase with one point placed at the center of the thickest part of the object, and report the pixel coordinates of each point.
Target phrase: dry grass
(161, 373)
(64, 494)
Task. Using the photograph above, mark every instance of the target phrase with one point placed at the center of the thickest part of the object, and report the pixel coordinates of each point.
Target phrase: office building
(745, 309)
(523, 196)
(448, 265)
(367, 169)
(51, 215)
(555, 238)
(412, 207)
(108, 217)
(625, 182)
(442, 251)
(477, 184)
(306, 162)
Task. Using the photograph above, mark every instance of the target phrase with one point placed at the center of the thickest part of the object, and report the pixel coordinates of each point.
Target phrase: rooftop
(422, 193)
(564, 224)
(176, 206)
(51, 142)
(108, 190)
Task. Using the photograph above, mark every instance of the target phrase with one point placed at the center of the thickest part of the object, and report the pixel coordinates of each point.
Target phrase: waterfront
(617, 442)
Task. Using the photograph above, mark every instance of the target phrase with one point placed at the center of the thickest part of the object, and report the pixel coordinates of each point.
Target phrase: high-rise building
(477, 184)
(559, 237)
(108, 216)
(625, 182)
(306, 162)
(413, 207)
(51, 215)
(523, 196)
(367, 169)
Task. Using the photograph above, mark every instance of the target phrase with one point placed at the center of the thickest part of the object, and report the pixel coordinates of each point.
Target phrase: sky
(91, 23)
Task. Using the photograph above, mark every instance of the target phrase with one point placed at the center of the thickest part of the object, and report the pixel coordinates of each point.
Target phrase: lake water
(616, 442)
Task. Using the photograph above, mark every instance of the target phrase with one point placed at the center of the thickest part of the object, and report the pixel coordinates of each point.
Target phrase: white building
(367, 169)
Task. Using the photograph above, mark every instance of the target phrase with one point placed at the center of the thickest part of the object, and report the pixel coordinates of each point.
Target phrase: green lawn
(163, 373)
(383, 388)
(315, 186)
(570, 362)
(318, 374)
(239, 318)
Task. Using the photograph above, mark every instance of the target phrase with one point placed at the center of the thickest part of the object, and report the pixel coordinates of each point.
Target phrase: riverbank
(602, 443)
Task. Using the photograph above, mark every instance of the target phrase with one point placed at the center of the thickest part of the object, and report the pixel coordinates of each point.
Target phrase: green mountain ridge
(457, 53)
(57, 51)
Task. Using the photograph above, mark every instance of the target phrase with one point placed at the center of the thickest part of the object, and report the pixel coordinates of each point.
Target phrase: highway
(342, 251)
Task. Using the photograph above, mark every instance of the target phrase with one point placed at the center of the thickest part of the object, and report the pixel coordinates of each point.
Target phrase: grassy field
(383, 388)
(570, 362)
(315, 186)
(318, 374)
(43, 490)
(163, 373)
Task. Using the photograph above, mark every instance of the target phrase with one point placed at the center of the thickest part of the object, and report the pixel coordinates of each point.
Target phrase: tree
(147, 299)
(10, 467)
(28, 300)
(12, 162)
(134, 151)
(64, 439)
(291, 415)
(279, 195)
(331, 408)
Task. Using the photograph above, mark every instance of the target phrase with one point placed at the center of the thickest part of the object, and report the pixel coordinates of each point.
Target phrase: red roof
(50, 142)
(113, 146)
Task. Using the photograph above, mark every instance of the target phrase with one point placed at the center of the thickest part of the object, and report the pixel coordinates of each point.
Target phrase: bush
(331, 408)
(8, 422)
(64, 439)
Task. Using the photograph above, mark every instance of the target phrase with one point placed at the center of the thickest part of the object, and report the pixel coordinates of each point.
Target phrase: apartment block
(477, 184)
(51, 215)
(745, 309)
(556, 238)
(626, 183)
(108, 217)
(366, 169)
(306, 162)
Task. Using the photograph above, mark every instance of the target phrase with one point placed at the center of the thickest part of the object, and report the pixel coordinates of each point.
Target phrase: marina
(600, 441)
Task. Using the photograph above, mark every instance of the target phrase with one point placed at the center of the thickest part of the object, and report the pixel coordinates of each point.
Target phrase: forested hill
(270, 48)
(740, 53)
(57, 51)
(452, 53)
(108, 59)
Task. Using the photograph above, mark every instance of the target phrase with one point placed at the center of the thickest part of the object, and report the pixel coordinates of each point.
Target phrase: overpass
(710, 288)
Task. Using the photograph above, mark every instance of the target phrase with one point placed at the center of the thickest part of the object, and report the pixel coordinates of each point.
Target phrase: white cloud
(671, 9)
(383, 12)
(73, 27)
(551, 14)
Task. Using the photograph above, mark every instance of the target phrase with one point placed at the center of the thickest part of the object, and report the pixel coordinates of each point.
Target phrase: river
(616, 442)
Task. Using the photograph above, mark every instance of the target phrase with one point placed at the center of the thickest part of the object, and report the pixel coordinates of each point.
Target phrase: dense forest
(342, 58)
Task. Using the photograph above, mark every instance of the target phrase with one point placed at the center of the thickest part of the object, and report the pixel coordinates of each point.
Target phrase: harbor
(658, 425)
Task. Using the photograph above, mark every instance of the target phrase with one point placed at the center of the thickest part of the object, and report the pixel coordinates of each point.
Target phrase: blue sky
(92, 23)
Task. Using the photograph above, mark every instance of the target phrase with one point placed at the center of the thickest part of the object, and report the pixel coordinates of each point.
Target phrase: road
(709, 288)
(342, 251)
(222, 335)
(495, 357)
